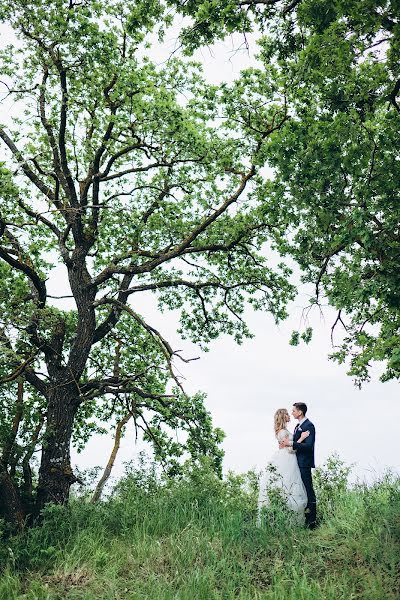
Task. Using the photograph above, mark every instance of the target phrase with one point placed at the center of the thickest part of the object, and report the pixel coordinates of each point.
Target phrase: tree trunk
(55, 473)
(107, 471)
(11, 508)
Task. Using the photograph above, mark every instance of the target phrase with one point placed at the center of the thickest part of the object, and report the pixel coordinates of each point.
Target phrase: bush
(330, 483)
(196, 537)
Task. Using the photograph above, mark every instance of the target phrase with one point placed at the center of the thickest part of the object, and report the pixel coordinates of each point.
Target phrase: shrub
(330, 483)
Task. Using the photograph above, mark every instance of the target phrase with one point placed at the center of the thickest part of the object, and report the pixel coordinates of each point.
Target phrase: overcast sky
(246, 384)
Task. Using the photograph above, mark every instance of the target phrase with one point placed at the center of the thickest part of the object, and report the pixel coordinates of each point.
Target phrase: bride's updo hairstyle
(280, 421)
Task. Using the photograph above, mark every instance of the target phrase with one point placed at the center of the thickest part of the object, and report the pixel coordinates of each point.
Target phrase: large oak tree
(136, 178)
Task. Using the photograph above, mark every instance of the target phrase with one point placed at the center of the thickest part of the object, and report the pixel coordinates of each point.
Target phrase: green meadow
(197, 538)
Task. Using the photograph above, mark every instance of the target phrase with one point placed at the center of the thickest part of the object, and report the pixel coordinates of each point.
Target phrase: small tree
(116, 171)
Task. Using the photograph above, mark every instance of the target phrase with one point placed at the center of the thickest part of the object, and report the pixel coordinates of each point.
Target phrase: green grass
(197, 539)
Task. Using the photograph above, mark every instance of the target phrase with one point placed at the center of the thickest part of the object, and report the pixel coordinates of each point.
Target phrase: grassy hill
(197, 539)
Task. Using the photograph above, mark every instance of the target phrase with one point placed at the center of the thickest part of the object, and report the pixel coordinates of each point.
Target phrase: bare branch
(107, 471)
(337, 320)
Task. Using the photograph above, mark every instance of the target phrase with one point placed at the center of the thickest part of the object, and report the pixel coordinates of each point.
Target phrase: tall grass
(197, 538)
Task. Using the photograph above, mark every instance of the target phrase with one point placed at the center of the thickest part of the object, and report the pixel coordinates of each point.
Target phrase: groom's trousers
(311, 509)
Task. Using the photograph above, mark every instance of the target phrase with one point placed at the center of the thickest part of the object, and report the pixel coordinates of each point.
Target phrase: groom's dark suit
(305, 460)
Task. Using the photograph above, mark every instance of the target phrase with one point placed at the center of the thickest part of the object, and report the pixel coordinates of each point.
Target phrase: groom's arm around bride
(305, 449)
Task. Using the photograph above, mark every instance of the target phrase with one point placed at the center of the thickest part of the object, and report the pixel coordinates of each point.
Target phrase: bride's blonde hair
(280, 419)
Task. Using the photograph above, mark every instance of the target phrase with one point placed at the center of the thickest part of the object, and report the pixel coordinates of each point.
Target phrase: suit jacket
(305, 450)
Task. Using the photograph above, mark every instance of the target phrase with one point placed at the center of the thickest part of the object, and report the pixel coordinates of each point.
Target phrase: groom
(305, 458)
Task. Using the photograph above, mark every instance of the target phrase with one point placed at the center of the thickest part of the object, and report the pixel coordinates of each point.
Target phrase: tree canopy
(337, 176)
(335, 160)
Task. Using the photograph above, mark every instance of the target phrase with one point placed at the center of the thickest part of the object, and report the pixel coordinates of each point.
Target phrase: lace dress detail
(283, 473)
(282, 434)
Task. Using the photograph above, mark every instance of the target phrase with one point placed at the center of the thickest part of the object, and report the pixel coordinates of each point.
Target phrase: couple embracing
(290, 467)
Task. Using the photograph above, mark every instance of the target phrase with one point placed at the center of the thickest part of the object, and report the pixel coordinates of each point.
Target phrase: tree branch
(40, 185)
(103, 177)
(393, 95)
(107, 471)
(168, 254)
(38, 217)
(286, 9)
(62, 134)
(20, 369)
(50, 135)
(38, 283)
(121, 386)
(112, 318)
(19, 408)
(164, 345)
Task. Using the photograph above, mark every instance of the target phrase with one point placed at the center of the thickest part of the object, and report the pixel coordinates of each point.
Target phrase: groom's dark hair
(301, 406)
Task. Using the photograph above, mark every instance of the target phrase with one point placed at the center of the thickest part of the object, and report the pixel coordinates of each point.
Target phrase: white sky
(246, 384)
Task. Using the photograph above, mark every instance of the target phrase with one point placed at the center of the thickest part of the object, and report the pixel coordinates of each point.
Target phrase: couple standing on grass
(290, 467)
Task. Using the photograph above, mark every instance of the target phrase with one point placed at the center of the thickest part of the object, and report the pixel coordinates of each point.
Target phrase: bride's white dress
(283, 473)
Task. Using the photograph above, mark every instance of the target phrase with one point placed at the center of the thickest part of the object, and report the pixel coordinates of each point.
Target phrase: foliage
(331, 483)
(211, 20)
(336, 165)
(140, 178)
(336, 159)
(197, 537)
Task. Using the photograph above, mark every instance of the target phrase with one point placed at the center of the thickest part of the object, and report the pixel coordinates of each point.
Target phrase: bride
(283, 471)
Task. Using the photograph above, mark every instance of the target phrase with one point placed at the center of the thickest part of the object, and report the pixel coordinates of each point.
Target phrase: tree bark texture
(55, 474)
(11, 508)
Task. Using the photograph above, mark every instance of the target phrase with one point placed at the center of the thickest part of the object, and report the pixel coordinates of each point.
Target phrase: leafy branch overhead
(336, 160)
(336, 167)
